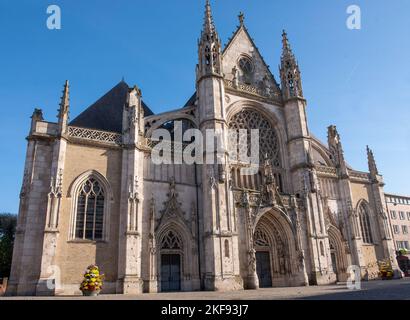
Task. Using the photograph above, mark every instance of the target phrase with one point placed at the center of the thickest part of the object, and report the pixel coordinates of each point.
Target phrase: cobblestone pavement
(372, 290)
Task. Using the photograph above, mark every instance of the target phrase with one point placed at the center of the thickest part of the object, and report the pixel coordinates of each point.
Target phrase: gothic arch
(280, 240)
(367, 229)
(278, 155)
(322, 151)
(238, 106)
(73, 188)
(337, 248)
(188, 262)
(157, 121)
(73, 193)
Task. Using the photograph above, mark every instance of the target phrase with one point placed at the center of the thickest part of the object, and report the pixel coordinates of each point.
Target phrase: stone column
(50, 272)
(23, 208)
(252, 280)
(131, 211)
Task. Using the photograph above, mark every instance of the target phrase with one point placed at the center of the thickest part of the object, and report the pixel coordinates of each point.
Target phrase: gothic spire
(286, 49)
(289, 71)
(65, 99)
(210, 57)
(372, 163)
(209, 26)
(64, 109)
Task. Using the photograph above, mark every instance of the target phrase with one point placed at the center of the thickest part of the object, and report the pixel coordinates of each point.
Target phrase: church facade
(91, 193)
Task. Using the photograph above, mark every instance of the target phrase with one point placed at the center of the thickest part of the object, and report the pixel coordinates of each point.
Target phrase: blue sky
(357, 80)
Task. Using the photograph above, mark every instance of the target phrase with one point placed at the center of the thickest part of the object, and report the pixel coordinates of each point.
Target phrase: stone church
(92, 194)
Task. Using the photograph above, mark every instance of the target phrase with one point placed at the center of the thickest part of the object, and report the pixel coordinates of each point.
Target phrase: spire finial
(65, 99)
(285, 43)
(64, 109)
(372, 162)
(241, 17)
(208, 23)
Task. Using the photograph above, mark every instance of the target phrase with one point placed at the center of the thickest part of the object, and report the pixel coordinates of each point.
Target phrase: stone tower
(221, 269)
(381, 211)
(303, 175)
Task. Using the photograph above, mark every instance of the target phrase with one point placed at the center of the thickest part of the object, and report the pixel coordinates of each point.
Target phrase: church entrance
(170, 272)
(334, 259)
(271, 242)
(337, 254)
(263, 269)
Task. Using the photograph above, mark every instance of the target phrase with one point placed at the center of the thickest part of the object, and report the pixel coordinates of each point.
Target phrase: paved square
(372, 290)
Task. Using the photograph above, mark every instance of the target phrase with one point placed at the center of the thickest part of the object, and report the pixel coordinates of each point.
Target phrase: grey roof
(191, 101)
(106, 113)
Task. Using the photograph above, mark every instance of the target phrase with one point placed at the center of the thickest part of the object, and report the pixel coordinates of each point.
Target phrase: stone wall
(73, 256)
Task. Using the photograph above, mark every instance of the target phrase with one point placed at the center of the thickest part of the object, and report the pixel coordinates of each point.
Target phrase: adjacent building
(399, 215)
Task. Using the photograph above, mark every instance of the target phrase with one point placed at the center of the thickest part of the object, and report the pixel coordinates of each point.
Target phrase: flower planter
(89, 293)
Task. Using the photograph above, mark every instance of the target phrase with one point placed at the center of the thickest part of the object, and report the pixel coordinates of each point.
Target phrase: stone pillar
(301, 264)
(23, 208)
(48, 283)
(381, 212)
(252, 280)
(131, 211)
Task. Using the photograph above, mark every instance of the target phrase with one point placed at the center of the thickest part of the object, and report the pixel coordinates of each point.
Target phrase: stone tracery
(171, 241)
(269, 143)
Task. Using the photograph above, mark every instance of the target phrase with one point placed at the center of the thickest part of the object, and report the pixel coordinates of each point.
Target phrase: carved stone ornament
(252, 260)
(244, 199)
(133, 188)
(56, 187)
(212, 180)
(172, 207)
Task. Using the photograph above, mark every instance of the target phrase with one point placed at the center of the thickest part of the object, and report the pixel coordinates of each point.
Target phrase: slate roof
(106, 113)
(191, 101)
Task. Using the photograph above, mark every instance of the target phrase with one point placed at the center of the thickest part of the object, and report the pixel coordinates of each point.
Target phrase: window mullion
(85, 217)
(94, 215)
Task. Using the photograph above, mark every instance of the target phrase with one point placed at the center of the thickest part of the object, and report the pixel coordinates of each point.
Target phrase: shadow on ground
(382, 290)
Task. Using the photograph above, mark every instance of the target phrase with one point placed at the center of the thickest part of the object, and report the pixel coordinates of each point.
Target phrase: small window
(401, 215)
(227, 255)
(402, 245)
(405, 229)
(408, 215)
(393, 215)
(396, 229)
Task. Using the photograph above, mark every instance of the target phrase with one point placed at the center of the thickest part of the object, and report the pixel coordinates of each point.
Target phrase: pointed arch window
(249, 119)
(246, 66)
(89, 215)
(365, 226)
(171, 241)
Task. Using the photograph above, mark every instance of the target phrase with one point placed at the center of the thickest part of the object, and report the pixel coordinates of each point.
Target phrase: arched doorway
(171, 262)
(263, 254)
(337, 254)
(275, 252)
(333, 256)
